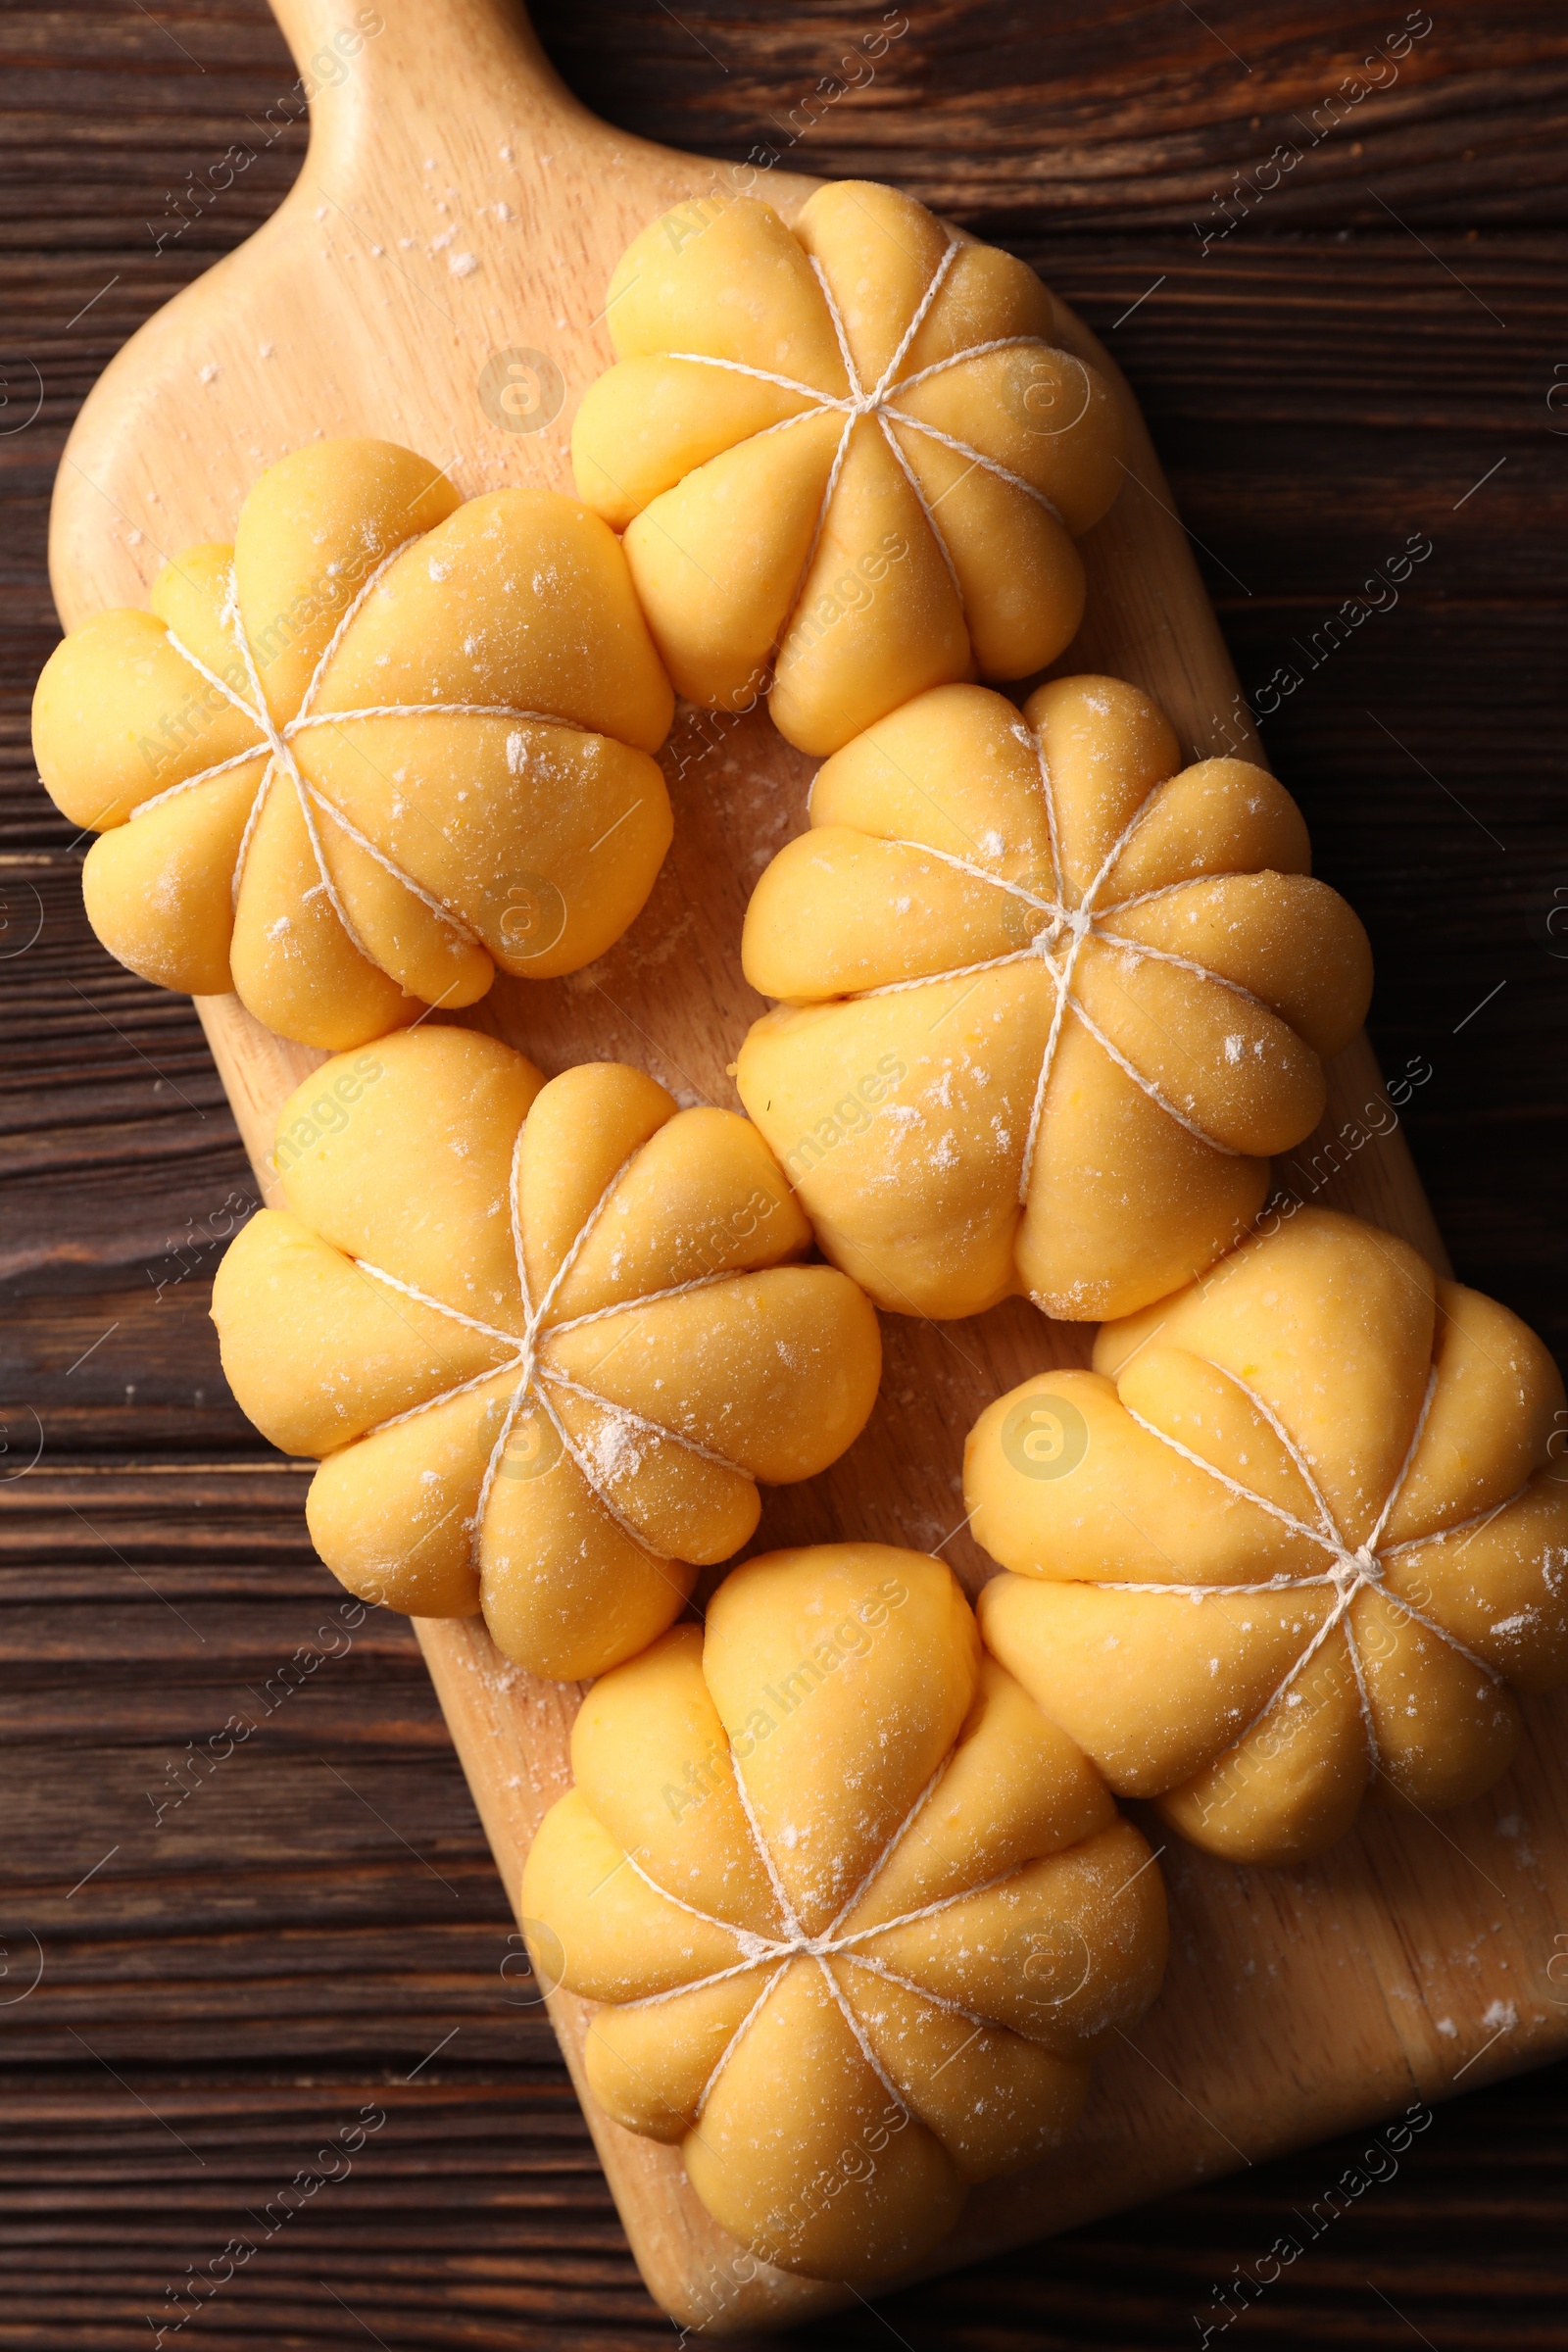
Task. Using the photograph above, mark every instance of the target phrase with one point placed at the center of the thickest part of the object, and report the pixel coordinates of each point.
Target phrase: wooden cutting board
(452, 235)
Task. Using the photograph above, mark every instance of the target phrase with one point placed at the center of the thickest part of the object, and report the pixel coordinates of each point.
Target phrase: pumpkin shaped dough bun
(1288, 1545)
(879, 1911)
(848, 457)
(1049, 999)
(383, 744)
(544, 1339)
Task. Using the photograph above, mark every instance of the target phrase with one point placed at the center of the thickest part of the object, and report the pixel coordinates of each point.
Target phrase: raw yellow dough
(1288, 1544)
(1047, 1004)
(848, 453)
(383, 744)
(856, 1912)
(541, 1336)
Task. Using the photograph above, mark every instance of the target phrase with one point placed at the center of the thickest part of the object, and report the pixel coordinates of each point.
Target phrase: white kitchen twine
(1350, 1571)
(533, 1375)
(1082, 923)
(276, 742)
(877, 405)
(776, 1953)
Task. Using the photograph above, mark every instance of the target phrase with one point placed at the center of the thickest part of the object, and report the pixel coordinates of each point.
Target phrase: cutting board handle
(374, 67)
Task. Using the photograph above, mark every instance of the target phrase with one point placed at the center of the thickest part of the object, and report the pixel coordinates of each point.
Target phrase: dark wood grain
(237, 1952)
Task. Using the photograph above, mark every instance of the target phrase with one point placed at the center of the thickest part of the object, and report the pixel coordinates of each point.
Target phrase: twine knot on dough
(1353, 1569)
(1078, 920)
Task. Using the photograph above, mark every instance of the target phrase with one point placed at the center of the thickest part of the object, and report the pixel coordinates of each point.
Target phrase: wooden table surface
(207, 1975)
